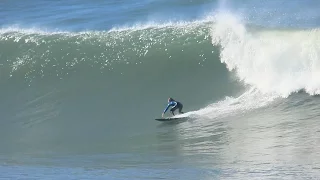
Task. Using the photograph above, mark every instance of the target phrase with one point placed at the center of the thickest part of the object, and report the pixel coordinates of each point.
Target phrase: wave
(59, 85)
(271, 62)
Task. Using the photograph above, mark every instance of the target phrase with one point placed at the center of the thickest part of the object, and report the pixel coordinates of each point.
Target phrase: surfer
(175, 105)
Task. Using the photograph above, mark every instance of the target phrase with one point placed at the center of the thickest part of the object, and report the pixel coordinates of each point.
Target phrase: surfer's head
(170, 99)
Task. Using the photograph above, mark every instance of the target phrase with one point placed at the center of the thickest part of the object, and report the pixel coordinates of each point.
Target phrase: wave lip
(274, 61)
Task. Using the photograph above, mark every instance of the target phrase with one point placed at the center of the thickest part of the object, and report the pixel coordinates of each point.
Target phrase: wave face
(59, 85)
(62, 84)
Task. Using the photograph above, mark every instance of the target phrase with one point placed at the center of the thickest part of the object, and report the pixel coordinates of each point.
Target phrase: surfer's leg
(173, 109)
(180, 108)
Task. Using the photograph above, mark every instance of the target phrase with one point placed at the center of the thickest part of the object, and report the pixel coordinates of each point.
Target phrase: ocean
(82, 83)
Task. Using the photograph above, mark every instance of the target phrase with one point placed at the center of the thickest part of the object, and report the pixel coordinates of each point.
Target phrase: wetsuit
(175, 105)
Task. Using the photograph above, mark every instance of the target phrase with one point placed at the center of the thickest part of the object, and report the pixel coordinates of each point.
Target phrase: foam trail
(251, 99)
(273, 61)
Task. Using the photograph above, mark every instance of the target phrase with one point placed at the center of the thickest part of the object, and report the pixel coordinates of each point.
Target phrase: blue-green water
(82, 82)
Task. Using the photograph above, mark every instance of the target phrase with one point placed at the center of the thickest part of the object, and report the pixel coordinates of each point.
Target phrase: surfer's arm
(169, 104)
(166, 109)
(174, 104)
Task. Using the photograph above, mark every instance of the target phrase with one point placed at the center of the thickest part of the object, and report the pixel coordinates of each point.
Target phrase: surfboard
(170, 118)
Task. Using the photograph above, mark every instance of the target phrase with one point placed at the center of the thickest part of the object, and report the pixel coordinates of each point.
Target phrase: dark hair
(171, 99)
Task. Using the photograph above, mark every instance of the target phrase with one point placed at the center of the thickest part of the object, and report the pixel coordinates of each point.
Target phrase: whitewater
(80, 93)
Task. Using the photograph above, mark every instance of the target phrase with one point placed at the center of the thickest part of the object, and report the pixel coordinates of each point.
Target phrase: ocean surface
(83, 81)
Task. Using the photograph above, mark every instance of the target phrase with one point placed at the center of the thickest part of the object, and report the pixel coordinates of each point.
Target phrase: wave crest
(274, 61)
